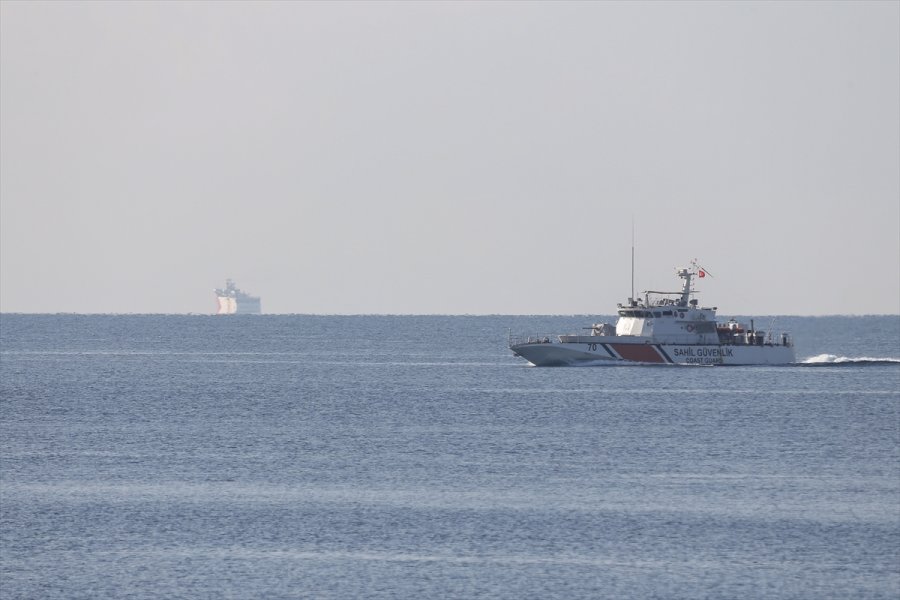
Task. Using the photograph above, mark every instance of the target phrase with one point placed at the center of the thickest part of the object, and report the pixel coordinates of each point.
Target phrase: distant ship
(233, 301)
(668, 329)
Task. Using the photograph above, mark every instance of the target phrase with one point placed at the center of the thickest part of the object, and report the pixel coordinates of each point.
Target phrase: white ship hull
(612, 351)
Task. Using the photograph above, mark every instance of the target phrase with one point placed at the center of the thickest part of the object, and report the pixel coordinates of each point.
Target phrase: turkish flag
(702, 273)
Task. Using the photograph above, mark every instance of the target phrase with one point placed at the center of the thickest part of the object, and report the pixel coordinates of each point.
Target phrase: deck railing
(768, 339)
(545, 338)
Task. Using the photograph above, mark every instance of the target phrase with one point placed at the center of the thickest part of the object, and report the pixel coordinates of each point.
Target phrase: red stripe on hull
(638, 352)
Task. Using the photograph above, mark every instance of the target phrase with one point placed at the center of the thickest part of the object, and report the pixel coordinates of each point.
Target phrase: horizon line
(388, 314)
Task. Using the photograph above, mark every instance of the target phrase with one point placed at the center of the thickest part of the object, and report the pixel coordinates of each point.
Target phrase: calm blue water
(415, 457)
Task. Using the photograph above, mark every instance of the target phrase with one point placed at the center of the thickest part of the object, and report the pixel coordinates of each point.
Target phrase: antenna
(632, 256)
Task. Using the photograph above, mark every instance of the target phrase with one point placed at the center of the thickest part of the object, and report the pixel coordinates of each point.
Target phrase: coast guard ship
(661, 328)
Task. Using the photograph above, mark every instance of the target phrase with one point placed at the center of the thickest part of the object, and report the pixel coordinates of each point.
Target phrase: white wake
(834, 359)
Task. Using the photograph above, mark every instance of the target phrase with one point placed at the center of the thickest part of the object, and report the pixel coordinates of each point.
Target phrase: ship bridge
(669, 316)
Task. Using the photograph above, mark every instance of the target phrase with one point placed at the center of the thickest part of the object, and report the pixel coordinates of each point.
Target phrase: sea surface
(416, 457)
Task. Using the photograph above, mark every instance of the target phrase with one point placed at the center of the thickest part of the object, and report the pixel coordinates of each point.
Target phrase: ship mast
(685, 274)
(632, 258)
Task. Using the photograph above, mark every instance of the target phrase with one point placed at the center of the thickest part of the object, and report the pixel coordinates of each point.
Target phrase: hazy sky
(465, 157)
